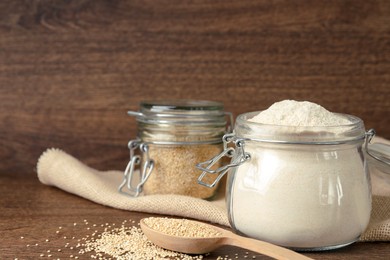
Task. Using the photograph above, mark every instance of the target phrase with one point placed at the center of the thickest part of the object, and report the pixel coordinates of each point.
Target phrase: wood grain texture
(36, 212)
(69, 70)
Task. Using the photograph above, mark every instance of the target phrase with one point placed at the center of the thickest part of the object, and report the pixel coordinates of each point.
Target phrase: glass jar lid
(183, 121)
(181, 112)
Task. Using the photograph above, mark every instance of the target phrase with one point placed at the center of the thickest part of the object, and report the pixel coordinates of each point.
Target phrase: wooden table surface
(31, 213)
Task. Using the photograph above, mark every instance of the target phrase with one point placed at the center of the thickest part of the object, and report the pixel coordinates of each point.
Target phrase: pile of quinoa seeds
(182, 227)
(113, 241)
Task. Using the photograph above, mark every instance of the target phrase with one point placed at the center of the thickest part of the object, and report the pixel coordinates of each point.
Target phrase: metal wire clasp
(134, 176)
(238, 154)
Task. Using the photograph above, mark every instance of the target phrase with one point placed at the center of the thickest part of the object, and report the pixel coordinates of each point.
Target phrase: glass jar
(173, 135)
(306, 188)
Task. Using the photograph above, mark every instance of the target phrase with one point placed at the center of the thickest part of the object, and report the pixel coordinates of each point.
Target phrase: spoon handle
(262, 247)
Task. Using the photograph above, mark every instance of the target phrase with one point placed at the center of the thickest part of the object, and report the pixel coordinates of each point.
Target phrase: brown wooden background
(69, 70)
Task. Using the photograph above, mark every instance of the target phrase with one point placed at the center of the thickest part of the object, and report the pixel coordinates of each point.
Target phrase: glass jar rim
(181, 112)
(299, 134)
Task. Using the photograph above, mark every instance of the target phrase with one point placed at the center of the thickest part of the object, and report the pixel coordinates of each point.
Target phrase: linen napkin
(57, 168)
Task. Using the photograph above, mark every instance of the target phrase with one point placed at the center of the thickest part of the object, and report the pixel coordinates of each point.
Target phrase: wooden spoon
(202, 245)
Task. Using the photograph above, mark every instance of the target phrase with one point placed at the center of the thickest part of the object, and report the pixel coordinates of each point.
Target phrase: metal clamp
(239, 157)
(131, 169)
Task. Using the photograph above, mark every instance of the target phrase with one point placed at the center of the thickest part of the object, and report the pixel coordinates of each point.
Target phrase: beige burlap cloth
(59, 169)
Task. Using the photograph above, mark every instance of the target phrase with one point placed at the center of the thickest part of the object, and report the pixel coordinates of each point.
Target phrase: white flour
(295, 113)
(301, 196)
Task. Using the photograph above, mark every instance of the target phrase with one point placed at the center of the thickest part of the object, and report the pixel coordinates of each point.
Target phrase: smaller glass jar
(172, 136)
(306, 188)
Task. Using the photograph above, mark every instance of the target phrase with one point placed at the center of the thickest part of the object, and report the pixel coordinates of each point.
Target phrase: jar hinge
(134, 183)
(239, 157)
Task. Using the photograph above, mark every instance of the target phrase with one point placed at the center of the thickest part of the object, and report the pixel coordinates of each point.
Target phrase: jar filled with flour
(298, 177)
